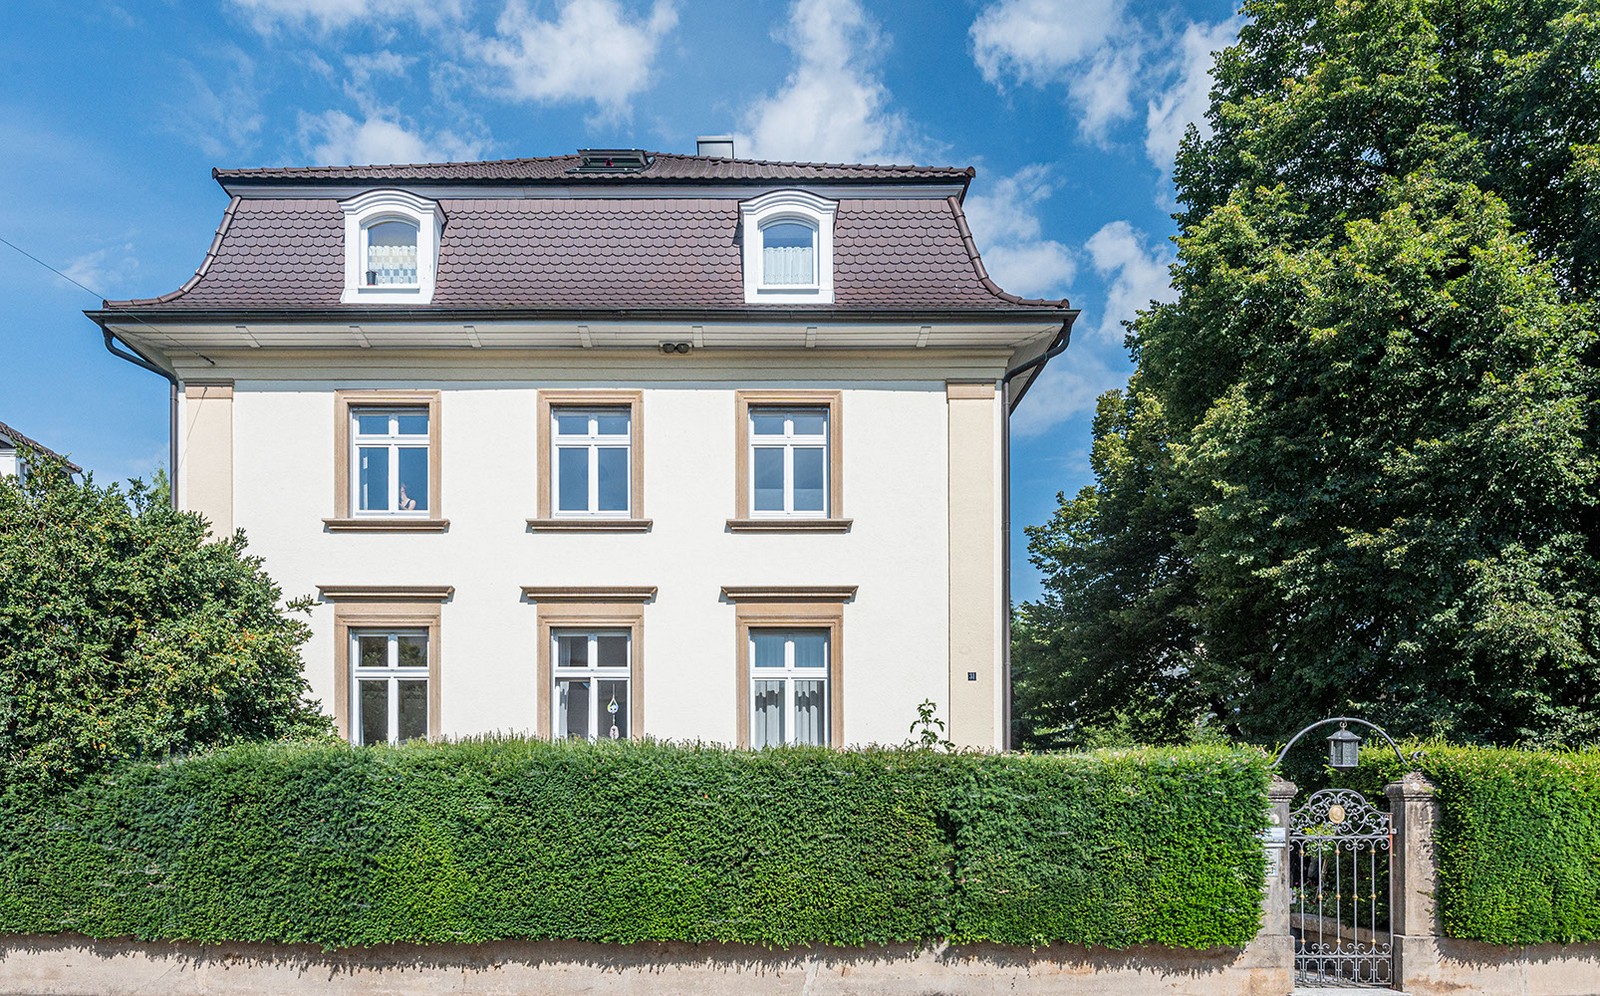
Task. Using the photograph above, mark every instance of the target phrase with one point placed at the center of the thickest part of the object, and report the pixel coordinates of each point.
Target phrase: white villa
(612, 444)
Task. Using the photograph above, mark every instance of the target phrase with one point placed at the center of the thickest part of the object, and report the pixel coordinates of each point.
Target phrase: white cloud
(1041, 41)
(1185, 102)
(1005, 225)
(1103, 57)
(335, 138)
(1069, 386)
(832, 108)
(1137, 273)
(104, 272)
(326, 15)
(1087, 45)
(592, 51)
(220, 108)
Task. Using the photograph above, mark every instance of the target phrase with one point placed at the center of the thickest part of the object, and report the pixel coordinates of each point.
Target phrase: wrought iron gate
(1339, 850)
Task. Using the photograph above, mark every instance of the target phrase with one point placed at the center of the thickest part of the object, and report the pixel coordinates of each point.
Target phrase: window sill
(589, 525)
(789, 525)
(386, 525)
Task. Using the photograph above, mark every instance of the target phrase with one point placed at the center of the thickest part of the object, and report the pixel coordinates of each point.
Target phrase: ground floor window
(788, 687)
(389, 685)
(591, 683)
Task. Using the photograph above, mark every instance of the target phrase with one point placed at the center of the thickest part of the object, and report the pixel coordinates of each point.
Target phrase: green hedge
(485, 840)
(1518, 842)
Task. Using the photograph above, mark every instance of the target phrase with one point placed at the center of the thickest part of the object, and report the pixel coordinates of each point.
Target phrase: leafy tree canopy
(1355, 467)
(125, 632)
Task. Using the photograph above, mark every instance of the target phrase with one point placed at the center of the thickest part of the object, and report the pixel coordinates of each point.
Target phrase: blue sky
(112, 115)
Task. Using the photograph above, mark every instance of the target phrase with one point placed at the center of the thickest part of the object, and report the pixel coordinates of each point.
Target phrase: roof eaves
(1023, 312)
(983, 273)
(188, 285)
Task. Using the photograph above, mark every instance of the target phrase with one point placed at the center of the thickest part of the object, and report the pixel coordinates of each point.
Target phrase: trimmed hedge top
(496, 839)
(1518, 843)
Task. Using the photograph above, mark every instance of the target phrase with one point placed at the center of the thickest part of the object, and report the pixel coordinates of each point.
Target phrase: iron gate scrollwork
(1339, 851)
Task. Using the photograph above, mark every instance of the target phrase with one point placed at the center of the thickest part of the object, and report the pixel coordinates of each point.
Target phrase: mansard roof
(901, 242)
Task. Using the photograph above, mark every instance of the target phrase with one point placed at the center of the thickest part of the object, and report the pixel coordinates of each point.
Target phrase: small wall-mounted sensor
(972, 676)
(675, 347)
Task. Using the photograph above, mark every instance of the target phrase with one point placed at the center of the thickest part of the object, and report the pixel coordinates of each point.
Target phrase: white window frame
(592, 441)
(374, 207)
(800, 207)
(789, 674)
(393, 673)
(394, 441)
(788, 441)
(594, 674)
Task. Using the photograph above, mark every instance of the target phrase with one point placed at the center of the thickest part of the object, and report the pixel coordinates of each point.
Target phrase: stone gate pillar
(1414, 914)
(1275, 911)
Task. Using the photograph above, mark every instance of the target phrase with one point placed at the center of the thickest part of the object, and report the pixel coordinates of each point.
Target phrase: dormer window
(391, 254)
(788, 254)
(788, 248)
(391, 248)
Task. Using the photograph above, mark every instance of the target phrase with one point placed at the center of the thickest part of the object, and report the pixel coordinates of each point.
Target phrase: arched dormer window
(788, 248)
(391, 253)
(391, 247)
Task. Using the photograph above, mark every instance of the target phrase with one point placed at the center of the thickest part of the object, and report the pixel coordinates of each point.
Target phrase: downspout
(131, 353)
(1058, 346)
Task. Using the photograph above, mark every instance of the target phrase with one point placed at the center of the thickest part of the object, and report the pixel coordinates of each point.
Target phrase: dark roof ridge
(983, 272)
(968, 171)
(20, 440)
(681, 167)
(188, 285)
(218, 172)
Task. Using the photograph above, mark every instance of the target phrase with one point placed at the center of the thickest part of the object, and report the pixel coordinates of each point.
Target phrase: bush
(495, 839)
(125, 632)
(1518, 842)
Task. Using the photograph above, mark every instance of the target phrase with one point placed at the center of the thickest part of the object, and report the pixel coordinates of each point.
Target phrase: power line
(52, 269)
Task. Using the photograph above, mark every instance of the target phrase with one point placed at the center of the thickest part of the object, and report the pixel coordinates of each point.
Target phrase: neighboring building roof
(15, 438)
(664, 167)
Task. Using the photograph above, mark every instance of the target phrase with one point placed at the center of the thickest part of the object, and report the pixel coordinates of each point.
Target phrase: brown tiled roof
(18, 439)
(664, 166)
(593, 253)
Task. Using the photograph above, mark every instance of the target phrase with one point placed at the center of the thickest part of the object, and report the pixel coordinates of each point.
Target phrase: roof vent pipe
(715, 146)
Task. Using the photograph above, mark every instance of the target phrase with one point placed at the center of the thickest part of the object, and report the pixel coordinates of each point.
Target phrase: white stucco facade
(262, 456)
(817, 373)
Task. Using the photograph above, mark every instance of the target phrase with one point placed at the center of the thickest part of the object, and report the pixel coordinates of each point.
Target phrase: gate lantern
(1344, 750)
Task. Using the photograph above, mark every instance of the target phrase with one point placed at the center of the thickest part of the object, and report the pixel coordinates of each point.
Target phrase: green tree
(126, 632)
(1355, 467)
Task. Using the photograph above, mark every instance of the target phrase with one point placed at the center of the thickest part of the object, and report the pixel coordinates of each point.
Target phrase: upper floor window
(391, 247)
(789, 461)
(590, 468)
(788, 248)
(390, 457)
